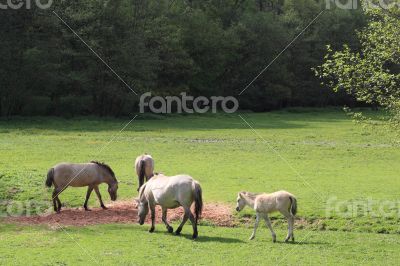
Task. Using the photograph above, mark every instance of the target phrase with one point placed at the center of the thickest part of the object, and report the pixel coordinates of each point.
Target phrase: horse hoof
(151, 230)
(170, 229)
(194, 236)
(177, 233)
(88, 210)
(104, 207)
(251, 238)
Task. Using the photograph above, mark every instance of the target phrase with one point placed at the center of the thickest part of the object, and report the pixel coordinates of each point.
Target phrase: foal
(263, 204)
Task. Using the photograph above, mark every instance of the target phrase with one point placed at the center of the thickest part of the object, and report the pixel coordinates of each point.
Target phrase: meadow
(334, 166)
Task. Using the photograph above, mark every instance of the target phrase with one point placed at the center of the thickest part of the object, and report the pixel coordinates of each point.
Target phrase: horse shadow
(205, 239)
(300, 243)
(226, 240)
(235, 240)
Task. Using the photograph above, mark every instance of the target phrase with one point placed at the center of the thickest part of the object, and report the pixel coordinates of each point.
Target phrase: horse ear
(136, 202)
(241, 195)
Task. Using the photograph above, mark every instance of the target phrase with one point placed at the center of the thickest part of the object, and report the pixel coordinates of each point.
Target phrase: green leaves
(371, 74)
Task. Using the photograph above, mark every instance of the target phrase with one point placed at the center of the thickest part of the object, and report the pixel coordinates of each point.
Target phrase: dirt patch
(123, 212)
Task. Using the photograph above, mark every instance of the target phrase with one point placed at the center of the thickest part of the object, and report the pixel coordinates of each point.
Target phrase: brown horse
(90, 174)
(144, 165)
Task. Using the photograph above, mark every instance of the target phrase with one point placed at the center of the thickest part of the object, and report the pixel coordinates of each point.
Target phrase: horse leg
(184, 220)
(153, 218)
(291, 224)
(253, 235)
(96, 189)
(268, 222)
(59, 204)
(164, 219)
(290, 229)
(56, 200)
(54, 196)
(194, 224)
(89, 191)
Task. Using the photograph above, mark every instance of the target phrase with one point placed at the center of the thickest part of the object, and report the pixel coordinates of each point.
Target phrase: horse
(263, 204)
(171, 192)
(80, 175)
(144, 165)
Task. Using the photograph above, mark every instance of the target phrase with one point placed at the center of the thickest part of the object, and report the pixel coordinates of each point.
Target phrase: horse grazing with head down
(171, 192)
(263, 204)
(90, 174)
(144, 165)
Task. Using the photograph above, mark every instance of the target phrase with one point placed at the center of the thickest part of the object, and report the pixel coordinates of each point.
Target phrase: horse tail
(141, 172)
(293, 205)
(50, 177)
(198, 201)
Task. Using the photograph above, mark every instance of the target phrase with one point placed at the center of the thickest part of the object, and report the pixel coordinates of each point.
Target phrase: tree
(202, 47)
(371, 74)
(14, 27)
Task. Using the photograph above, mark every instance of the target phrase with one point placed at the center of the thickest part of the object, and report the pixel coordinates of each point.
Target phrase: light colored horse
(171, 192)
(144, 165)
(90, 174)
(263, 204)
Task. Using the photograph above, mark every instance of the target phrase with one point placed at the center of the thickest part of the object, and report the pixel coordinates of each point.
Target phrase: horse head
(112, 190)
(143, 205)
(241, 202)
(109, 178)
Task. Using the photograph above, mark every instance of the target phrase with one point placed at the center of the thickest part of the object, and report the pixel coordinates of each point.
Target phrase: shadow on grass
(151, 122)
(215, 239)
(301, 243)
(203, 238)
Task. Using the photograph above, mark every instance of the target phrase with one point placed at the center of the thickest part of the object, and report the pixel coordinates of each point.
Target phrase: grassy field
(133, 245)
(334, 166)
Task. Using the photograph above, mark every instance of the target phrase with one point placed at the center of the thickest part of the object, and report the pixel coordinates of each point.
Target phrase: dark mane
(106, 167)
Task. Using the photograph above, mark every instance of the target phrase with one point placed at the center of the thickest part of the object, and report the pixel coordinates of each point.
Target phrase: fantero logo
(187, 104)
(27, 4)
(355, 4)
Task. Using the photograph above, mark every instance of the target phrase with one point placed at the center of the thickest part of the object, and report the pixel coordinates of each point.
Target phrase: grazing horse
(144, 165)
(263, 204)
(171, 192)
(80, 175)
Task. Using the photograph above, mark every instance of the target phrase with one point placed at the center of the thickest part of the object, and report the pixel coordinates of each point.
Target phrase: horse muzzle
(113, 197)
(237, 209)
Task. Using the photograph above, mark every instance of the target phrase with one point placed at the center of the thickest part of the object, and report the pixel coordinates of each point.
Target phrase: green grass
(317, 155)
(133, 245)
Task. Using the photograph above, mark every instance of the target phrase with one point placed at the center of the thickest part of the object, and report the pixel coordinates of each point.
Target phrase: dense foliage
(200, 47)
(372, 73)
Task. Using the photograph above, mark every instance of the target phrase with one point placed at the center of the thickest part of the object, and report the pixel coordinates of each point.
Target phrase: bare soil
(123, 212)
